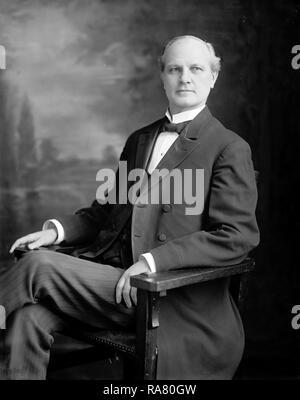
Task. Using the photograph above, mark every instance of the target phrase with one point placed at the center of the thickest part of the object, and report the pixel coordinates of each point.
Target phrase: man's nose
(185, 76)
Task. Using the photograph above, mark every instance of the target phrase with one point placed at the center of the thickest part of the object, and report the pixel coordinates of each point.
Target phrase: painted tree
(8, 165)
(26, 151)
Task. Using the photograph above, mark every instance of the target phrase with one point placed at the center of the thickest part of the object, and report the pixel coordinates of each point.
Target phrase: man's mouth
(185, 91)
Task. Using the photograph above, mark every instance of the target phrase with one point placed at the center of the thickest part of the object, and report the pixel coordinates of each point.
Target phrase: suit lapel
(186, 141)
(184, 144)
(146, 143)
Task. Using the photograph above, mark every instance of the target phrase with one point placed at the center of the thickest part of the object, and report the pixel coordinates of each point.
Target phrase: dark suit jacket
(201, 334)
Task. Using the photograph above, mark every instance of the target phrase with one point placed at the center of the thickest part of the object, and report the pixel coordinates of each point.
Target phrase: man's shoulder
(150, 127)
(225, 136)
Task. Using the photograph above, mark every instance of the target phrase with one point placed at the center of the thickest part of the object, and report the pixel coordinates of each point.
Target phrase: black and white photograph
(149, 223)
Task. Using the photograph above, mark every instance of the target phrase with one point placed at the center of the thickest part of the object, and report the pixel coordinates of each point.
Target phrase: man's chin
(185, 106)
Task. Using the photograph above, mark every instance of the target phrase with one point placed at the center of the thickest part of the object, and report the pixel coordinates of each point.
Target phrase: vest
(119, 253)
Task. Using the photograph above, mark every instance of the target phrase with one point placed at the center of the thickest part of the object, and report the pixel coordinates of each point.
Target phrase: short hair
(215, 62)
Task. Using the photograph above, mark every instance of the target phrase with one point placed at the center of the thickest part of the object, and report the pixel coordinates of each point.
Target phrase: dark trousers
(47, 292)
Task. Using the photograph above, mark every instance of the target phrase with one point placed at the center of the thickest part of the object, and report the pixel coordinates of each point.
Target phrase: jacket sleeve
(231, 230)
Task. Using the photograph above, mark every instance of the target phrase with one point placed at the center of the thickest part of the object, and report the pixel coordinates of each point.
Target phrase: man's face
(187, 76)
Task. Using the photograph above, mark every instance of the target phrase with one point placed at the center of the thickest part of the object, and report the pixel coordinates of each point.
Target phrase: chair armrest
(163, 281)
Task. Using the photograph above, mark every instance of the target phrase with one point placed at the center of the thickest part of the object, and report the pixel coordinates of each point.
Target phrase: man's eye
(197, 69)
(173, 69)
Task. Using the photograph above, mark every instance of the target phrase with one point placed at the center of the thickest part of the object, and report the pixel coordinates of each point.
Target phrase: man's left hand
(123, 288)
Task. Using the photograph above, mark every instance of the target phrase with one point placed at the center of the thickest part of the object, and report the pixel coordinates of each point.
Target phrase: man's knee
(36, 260)
(38, 316)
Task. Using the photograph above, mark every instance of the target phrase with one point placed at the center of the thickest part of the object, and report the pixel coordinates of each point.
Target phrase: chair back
(238, 286)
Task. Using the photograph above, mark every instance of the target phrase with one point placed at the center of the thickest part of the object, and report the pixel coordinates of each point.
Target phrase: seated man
(201, 334)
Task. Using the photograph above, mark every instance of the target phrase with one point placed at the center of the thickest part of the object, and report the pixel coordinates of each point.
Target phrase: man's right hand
(35, 240)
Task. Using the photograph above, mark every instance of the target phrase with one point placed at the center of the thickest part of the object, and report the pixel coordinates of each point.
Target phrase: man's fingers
(16, 244)
(123, 290)
(36, 244)
(119, 289)
(26, 240)
(126, 292)
(21, 242)
(133, 294)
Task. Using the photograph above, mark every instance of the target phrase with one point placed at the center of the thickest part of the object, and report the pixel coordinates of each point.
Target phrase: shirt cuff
(148, 257)
(54, 224)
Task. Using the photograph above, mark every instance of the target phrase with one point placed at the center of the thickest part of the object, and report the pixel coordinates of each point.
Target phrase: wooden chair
(139, 348)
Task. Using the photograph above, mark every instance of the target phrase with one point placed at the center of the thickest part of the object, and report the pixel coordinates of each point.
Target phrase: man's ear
(162, 80)
(214, 79)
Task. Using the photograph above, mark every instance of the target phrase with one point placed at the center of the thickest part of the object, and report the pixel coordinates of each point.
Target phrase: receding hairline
(214, 60)
(180, 38)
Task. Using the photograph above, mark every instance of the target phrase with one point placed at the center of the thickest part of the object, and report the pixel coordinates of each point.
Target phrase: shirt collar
(184, 115)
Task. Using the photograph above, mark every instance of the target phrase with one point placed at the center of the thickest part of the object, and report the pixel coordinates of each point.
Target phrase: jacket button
(166, 208)
(162, 237)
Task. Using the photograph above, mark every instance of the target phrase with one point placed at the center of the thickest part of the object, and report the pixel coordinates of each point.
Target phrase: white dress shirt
(163, 142)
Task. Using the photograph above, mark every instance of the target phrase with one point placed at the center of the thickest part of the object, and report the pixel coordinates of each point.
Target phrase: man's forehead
(187, 49)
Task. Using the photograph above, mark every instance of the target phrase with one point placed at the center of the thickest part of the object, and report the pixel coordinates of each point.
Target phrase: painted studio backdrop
(82, 75)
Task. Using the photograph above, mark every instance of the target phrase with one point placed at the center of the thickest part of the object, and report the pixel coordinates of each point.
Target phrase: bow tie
(171, 127)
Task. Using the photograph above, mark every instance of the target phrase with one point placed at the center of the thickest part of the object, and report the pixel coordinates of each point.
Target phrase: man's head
(189, 70)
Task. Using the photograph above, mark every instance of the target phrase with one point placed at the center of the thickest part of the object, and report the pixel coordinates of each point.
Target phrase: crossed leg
(43, 293)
